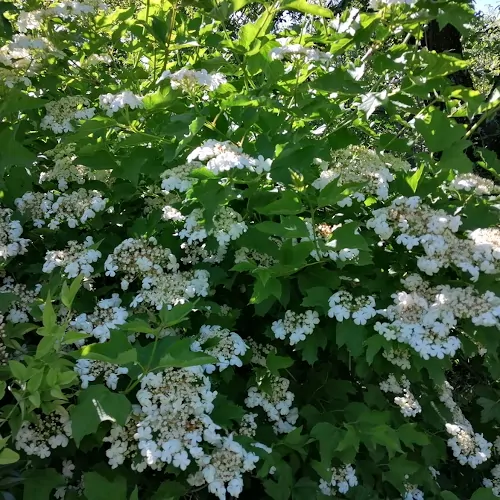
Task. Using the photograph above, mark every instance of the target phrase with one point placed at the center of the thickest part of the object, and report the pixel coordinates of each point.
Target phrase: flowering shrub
(249, 263)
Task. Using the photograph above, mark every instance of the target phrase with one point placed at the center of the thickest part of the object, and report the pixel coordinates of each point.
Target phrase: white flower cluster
(325, 246)
(468, 447)
(425, 317)
(21, 305)
(171, 213)
(223, 469)
(245, 254)
(111, 103)
(412, 492)
(4, 355)
(10, 79)
(107, 316)
(171, 424)
(157, 270)
(68, 472)
(67, 9)
(190, 80)
(295, 326)
(360, 165)
(227, 225)
(227, 351)
(25, 53)
(61, 113)
(407, 402)
(90, 370)
(276, 403)
(96, 59)
(11, 243)
(200, 253)
(472, 182)
(296, 51)
(398, 357)
(434, 231)
(178, 178)
(50, 431)
(76, 259)
(494, 482)
(248, 425)
(259, 351)
(343, 305)
(224, 156)
(342, 480)
(65, 171)
(74, 208)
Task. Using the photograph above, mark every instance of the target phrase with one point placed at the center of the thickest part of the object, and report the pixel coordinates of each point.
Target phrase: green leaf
(135, 494)
(310, 346)
(288, 204)
(441, 64)
(399, 469)
(195, 126)
(225, 411)
(131, 166)
(346, 237)
(250, 31)
(72, 337)
(98, 160)
(264, 288)
(352, 336)
(45, 346)
(332, 193)
(438, 131)
(317, 298)
(306, 8)
(170, 490)
(6, 299)
(373, 345)
(349, 443)
(159, 28)
(414, 179)
(409, 435)
(97, 404)
(8, 456)
(490, 411)
(483, 494)
(179, 355)
(68, 293)
(448, 495)
(18, 370)
(12, 153)
(177, 314)
(117, 350)
(276, 363)
(38, 483)
(138, 325)
(385, 436)
(454, 158)
(289, 227)
(98, 487)
(329, 438)
(21, 102)
(305, 489)
(49, 315)
(338, 80)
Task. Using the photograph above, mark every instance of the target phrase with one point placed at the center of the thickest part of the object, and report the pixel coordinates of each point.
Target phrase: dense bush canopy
(248, 250)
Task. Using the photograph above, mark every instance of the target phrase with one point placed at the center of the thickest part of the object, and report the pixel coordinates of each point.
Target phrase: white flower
(111, 103)
(189, 80)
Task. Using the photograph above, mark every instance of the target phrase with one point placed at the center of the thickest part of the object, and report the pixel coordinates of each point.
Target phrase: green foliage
(240, 270)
